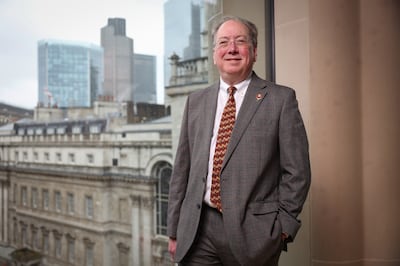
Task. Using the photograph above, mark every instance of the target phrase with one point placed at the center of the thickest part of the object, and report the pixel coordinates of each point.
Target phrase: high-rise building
(70, 73)
(145, 87)
(181, 33)
(118, 61)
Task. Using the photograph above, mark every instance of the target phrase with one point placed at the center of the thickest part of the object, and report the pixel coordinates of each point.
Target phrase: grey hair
(251, 28)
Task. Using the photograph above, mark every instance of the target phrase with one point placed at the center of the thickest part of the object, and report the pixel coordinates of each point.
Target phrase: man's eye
(222, 43)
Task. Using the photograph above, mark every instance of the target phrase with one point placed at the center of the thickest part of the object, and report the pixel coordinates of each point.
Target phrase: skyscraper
(145, 89)
(70, 73)
(118, 61)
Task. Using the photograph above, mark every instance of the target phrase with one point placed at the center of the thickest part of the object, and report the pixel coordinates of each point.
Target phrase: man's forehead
(232, 36)
(231, 28)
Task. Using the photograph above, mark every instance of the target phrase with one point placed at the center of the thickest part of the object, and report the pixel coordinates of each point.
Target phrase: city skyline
(68, 20)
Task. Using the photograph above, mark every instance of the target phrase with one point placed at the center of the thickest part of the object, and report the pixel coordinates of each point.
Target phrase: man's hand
(172, 247)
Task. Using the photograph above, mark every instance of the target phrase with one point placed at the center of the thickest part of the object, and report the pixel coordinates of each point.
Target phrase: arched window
(162, 171)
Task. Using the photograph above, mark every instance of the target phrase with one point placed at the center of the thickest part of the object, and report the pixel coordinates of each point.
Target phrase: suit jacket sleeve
(295, 165)
(179, 177)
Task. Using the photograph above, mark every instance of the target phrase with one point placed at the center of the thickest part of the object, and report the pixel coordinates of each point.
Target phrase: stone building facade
(86, 192)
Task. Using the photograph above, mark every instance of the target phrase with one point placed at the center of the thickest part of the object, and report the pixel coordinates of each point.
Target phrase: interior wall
(336, 131)
(380, 66)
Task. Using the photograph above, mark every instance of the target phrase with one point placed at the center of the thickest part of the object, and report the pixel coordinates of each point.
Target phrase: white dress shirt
(223, 96)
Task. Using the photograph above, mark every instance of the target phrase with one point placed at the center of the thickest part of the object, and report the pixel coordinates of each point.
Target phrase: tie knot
(231, 90)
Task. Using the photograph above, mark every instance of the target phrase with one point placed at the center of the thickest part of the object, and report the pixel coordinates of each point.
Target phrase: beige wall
(335, 130)
(343, 59)
(380, 72)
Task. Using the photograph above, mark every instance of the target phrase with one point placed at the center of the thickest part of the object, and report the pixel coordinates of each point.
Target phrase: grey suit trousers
(211, 246)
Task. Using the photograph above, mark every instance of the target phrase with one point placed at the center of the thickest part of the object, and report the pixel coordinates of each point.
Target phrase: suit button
(198, 206)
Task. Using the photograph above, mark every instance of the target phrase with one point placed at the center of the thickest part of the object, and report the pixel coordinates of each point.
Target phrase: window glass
(89, 207)
(163, 173)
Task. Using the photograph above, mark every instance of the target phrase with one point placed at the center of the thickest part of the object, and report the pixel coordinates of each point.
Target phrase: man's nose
(232, 46)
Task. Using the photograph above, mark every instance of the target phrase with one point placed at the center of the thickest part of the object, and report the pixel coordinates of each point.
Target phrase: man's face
(234, 55)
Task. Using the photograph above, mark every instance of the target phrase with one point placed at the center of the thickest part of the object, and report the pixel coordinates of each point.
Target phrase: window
(71, 250)
(16, 155)
(71, 157)
(61, 130)
(47, 156)
(51, 131)
(123, 255)
(57, 201)
(34, 198)
(89, 207)
(59, 157)
(162, 172)
(57, 245)
(77, 129)
(89, 252)
(35, 238)
(45, 198)
(94, 129)
(70, 203)
(89, 256)
(15, 232)
(35, 156)
(24, 236)
(45, 240)
(25, 155)
(24, 196)
(90, 158)
(15, 193)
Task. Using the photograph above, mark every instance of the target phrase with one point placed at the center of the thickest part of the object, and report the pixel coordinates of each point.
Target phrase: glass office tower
(145, 87)
(70, 74)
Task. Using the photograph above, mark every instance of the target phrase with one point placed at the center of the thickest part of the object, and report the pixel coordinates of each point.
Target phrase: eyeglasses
(225, 42)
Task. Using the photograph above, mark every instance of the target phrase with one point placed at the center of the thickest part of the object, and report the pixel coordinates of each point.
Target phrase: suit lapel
(210, 106)
(256, 92)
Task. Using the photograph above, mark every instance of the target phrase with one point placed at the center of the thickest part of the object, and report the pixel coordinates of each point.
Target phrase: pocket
(261, 207)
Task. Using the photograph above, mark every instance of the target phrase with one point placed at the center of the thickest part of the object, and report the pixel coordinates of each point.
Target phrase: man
(240, 209)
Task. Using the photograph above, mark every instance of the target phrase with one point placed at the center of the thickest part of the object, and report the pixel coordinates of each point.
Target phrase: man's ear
(255, 54)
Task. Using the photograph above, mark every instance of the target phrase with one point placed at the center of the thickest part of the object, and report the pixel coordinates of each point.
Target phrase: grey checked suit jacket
(265, 175)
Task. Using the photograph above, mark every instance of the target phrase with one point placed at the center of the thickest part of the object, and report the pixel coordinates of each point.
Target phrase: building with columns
(86, 191)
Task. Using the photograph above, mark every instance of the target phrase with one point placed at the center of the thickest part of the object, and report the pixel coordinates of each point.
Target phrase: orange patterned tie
(224, 134)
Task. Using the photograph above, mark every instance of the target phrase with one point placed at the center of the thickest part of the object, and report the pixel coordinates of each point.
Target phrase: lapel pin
(259, 96)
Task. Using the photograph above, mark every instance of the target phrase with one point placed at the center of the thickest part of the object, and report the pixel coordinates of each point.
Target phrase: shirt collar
(239, 86)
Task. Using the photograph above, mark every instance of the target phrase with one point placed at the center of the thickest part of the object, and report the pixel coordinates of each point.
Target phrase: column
(136, 224)
(335, 133)
(5, 214)
(380, 57)
(146, 215)
(3, 210)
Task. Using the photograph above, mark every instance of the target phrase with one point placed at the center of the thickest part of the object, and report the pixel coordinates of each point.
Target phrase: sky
(24, 22)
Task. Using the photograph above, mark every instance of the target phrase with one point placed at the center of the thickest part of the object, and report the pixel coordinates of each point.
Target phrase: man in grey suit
(251, 214)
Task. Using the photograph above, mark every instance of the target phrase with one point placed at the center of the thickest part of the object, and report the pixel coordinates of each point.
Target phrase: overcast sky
(24, 22)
